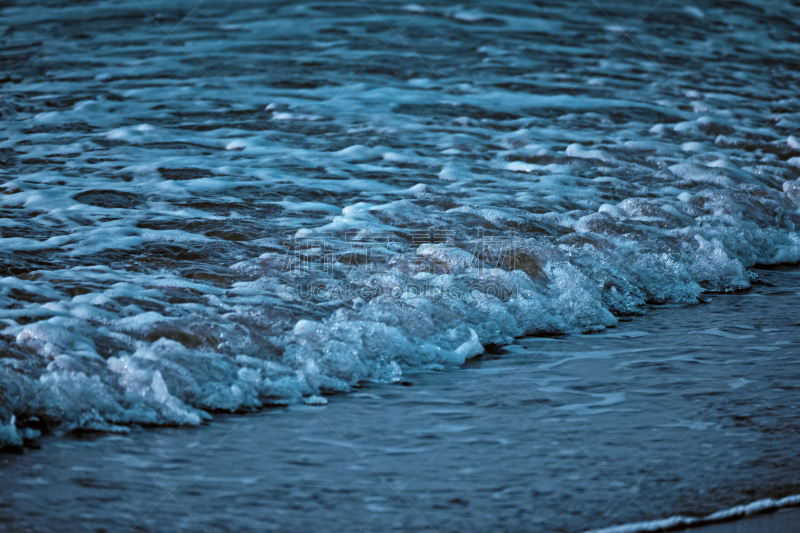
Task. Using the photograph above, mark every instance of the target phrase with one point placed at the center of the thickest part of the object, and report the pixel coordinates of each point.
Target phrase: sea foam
(172, 246)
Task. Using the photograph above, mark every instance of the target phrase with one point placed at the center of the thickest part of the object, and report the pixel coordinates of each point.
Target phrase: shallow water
(224, 206)
(685, 410)
(783, 521)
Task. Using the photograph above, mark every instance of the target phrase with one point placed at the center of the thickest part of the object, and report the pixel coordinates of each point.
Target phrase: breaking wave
(169, 253)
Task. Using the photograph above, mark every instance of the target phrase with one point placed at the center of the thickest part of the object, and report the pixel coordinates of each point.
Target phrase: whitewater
(216, 209)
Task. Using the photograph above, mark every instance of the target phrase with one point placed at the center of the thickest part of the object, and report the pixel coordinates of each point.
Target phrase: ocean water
(214, 208)
(678, 414)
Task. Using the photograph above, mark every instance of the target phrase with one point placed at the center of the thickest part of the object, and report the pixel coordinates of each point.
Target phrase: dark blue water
(212, 208)
(683, 411)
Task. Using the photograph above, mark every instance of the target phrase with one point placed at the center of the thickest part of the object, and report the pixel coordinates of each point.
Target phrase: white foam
(739, 511)
(156, 229)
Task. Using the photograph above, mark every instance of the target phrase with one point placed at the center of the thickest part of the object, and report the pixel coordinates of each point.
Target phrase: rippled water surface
(214, 207)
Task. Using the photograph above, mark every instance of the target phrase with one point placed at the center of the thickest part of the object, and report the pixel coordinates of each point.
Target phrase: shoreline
(782, 520)
(532, 429)
(764, 516)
